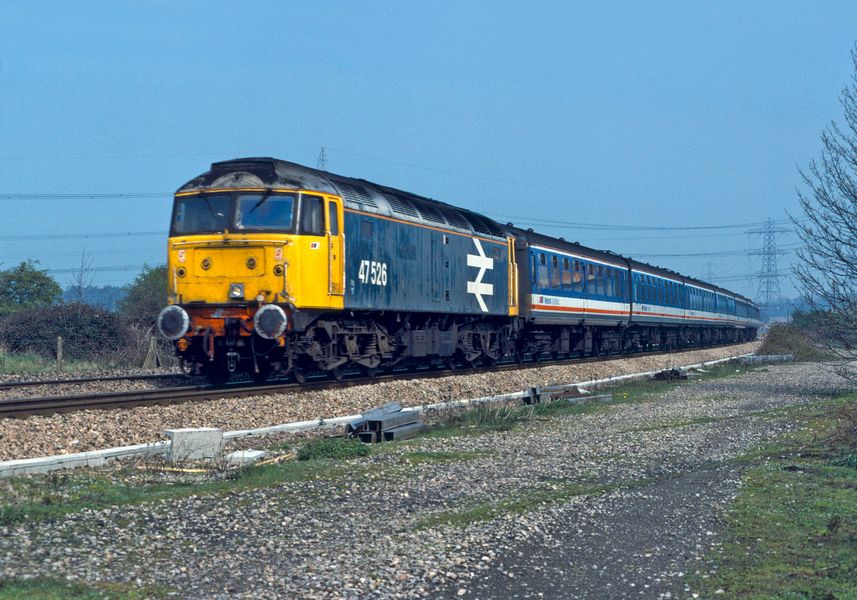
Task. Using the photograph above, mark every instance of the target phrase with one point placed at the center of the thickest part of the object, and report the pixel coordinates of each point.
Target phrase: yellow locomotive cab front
(245, 260)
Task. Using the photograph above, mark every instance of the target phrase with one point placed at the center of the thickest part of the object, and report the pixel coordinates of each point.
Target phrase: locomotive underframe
(332, 343)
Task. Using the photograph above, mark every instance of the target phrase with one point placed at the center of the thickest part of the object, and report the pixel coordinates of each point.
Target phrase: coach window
(566, 274)
(544, 281)
(556, 275)
(577, 277)
(590, 280)
(312, 215)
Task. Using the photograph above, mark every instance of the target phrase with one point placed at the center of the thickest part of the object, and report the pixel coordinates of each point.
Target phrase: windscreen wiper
(261, 201)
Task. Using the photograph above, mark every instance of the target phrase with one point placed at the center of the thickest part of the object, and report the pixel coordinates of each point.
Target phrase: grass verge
(56, 589)
(792, 531)
(18, 364)
(486, 418)
(39, 498)
(522, 501)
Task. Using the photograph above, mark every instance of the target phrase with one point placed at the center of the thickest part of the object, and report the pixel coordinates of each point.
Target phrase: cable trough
(386, 423)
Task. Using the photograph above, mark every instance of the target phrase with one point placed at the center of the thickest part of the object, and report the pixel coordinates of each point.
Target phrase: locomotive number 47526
(373, 272)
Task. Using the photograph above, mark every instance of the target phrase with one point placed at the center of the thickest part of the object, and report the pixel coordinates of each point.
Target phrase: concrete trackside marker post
(199, 443)
(59, 353)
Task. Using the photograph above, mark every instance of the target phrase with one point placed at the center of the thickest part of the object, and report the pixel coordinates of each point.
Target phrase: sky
(660, 130)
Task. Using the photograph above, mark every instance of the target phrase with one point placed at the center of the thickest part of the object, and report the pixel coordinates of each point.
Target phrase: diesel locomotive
(279, 268)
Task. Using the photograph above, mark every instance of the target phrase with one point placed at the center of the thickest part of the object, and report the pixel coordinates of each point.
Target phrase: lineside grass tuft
(522, 501)
(338, 448)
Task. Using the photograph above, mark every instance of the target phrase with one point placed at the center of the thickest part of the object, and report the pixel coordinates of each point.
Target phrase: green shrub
(146, 296)
(338, 448)
(88, 332)
(788, 338)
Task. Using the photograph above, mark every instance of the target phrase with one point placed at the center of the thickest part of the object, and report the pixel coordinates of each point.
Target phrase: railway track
(25, 407)
(10, 385)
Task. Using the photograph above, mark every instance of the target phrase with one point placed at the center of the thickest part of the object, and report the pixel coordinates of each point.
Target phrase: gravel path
(93, 430)
(655, 475)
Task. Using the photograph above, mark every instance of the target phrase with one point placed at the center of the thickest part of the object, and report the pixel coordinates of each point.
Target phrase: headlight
(173, 322)
(270, 321)
(236, 291)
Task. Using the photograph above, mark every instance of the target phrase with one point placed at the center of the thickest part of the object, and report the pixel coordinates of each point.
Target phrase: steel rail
(9, 385)
(25, 407)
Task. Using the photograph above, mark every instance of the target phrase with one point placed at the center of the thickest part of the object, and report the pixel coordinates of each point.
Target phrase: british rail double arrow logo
(483, 263)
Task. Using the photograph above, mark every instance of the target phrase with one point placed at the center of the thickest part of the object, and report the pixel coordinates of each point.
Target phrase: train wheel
(263, 374)
(370, 372)
(300, 375)
(338, 373)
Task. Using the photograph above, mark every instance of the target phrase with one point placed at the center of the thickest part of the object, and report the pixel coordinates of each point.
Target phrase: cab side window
(333, 218)
(312, 215)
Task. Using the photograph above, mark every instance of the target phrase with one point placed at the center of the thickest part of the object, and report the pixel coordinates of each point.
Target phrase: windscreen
(202, 214)
(270, 212)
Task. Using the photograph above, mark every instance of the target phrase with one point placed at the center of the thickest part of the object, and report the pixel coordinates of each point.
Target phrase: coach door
(335, 244)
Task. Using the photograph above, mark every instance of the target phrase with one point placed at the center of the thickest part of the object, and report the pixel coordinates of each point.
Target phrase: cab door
(336, 248)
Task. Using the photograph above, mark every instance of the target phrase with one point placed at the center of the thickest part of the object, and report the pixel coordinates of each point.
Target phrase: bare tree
(82, 278)
(827, 263)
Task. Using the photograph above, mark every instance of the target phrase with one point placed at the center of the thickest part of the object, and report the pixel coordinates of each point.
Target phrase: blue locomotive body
(397, 265)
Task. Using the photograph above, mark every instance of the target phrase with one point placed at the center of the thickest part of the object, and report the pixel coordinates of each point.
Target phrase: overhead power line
(85, 196)
(615, 227)
(99, 269)
(71, 236)
(783, 250)
(536, 182)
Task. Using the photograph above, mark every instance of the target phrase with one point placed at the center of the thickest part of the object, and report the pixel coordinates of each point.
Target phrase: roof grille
(453, 217)
(355, 193)
(402, 206)
(479, 224)
(429, 212)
